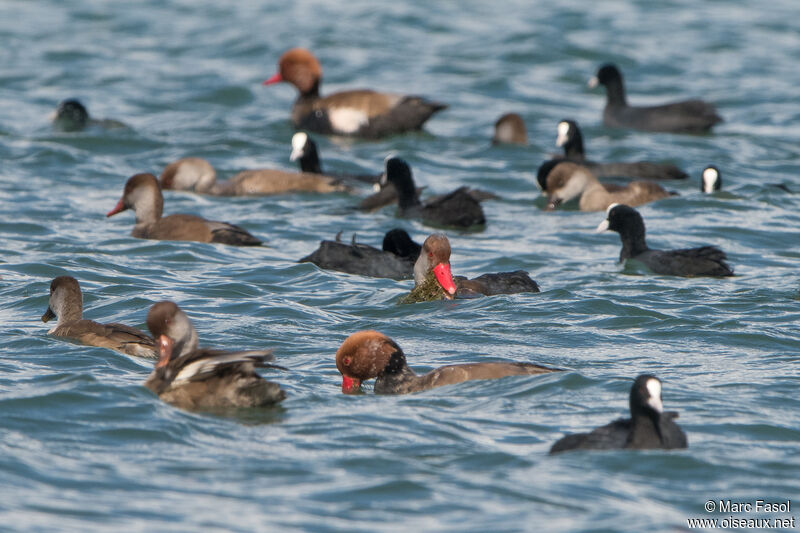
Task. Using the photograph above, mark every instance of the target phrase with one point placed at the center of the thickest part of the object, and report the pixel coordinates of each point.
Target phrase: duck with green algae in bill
(434, 280)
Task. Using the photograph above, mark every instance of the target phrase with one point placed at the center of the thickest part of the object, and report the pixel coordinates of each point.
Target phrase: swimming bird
(395, 260)
(510, 129)
(649, 427)
(200, 378)
(197, 175)
(433, 278)
(369, 354)
(306, 154)
(567, 180)
(66, 304)
(711, 181)
(687, 262)
(71, 115)
(458, 208)
(143, 195)
(571, 139)
(357, 113)
(690, 116)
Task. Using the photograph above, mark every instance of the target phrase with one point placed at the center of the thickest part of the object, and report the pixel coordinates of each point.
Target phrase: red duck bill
(119, 207)
(445, 277)
(350, 385)
(277, 78)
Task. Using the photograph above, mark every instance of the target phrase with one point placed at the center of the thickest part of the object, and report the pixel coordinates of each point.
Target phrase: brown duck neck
(68, 307)
(148, 207)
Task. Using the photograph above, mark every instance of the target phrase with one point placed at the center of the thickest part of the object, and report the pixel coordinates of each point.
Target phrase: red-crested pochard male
(197, 175)
(433, 269)
(66, 304)
(143, 195)
(395, 260)
(357, 113)
(648, 428)
(569, 180)
(199, 378)
(371, 354)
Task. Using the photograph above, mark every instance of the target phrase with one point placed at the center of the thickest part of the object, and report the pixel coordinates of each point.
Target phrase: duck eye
(430, 254)
(346, 360)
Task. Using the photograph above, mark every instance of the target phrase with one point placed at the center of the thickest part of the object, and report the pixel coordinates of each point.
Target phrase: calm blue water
(85, 447)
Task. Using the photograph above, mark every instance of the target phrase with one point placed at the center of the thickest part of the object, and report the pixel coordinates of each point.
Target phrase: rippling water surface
(85, 447)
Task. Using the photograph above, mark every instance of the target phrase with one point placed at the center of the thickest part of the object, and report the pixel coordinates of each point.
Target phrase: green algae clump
(427, 291)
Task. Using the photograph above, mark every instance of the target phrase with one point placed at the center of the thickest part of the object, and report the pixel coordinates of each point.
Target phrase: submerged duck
(357, 113)
(569, 180)
(395, 260)
(687, 262)
(649, 427)
(66, 304)
(433, 278)
(143, 195)
(199, 378)
(369, 354)
(510, 129)
(690, 116)
(304, 151)
(197, 175)
(71, 115)
(457, 209)
(570, 137)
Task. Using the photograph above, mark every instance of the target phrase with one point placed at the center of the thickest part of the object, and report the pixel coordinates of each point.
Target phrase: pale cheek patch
(347, 119)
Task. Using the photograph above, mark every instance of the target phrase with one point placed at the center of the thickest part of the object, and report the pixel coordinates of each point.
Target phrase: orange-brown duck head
(366, 355)
(299, 67)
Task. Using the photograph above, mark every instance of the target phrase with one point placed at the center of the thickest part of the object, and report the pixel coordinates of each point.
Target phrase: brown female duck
(66, 304)
(569, 180)
(198, 378)
(143, 195)
(197, 175)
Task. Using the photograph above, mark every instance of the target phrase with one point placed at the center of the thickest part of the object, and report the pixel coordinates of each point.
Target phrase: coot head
(399, 242)
(71, 115)
(606, 75)
(712, 180)
(398, 172)
(646, 396)
(621, 218)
